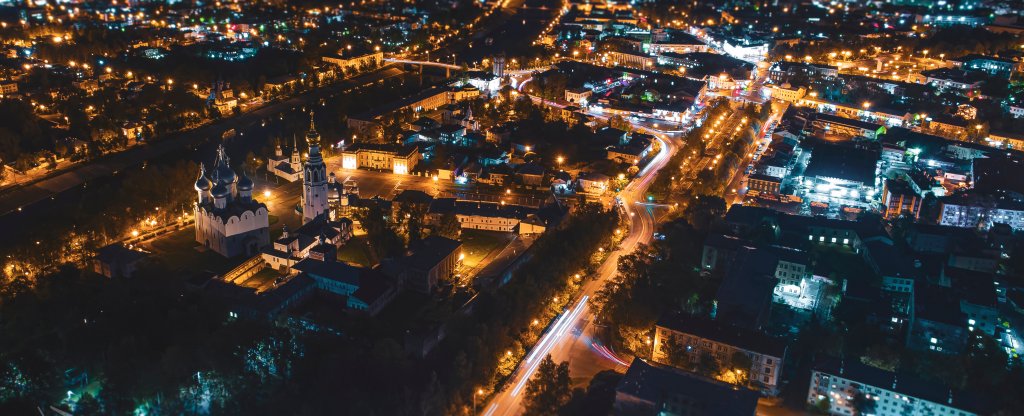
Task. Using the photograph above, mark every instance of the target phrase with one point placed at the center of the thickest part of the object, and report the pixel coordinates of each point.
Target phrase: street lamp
(479, 392)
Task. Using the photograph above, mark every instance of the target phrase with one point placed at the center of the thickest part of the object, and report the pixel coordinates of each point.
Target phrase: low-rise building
(429, 262)
(764, 183)
(698, 339)
(287, 167)
(578, 96)
(364, 61)
(630, 59)
(116, 260)
(652, 389)
(391, 158)
(364, 290)
(830, 125)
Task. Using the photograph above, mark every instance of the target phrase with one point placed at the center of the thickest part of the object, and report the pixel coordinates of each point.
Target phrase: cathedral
(228, 219)
(314, 178)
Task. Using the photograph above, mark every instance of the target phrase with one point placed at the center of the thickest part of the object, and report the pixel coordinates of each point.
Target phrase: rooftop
(905, 384)
(654, 383)
(842, 162)
(718, 331)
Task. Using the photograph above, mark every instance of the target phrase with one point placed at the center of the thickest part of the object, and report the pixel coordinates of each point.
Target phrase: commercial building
(840, 175)
(844, 128)
(384, 157)
(368, 60)
(783, 70)
(630, 59)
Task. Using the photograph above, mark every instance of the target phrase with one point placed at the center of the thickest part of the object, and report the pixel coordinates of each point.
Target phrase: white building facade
(228, 219)
(314, 178)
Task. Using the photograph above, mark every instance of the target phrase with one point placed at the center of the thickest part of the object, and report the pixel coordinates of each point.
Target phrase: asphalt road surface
(570, 337)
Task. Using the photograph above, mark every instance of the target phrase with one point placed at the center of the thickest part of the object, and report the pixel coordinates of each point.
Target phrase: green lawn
(477, 245)
(178, 251)
(354, 252)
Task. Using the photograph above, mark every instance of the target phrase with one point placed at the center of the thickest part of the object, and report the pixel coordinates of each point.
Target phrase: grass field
(477, 245)
(354, 252)
(178, 251)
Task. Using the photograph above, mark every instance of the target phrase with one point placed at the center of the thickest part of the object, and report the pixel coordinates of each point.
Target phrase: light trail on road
(548, 340)
(509, 402)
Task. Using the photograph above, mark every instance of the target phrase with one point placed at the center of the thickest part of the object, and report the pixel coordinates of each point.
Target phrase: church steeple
(314, 177)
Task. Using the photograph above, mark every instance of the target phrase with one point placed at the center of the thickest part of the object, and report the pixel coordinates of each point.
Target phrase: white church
(288, 168)
(228, 219)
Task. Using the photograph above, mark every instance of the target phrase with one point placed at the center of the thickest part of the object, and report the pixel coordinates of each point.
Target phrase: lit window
(846, 241)
(934, 341)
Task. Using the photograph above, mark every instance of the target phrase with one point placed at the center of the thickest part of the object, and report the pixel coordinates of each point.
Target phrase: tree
(383, 240)
(597, 399)
(448, 226)
(704, 210)
(549, 389)
(740, 364)
(675, 352)
(863, 405)
(617, 122)
(87, 405)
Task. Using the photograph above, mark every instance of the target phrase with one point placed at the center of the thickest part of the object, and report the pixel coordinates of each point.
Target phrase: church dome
(225, 175)
(245, 184)
(203, 183)
(220, 191)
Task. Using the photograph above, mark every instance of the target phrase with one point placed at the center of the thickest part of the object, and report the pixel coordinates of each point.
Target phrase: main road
(571, 332)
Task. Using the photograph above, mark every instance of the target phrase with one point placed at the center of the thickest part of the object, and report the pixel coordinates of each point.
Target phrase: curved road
(571, 331)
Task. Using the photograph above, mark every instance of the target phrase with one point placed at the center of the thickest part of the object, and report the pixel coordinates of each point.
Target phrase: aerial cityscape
(512, 207)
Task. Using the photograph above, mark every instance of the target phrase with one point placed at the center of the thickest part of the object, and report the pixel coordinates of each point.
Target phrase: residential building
(972, 210)
(652, 389)
(899, 198)
(697, 338)
(841, 383)
(937, 323)
(762, 183)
